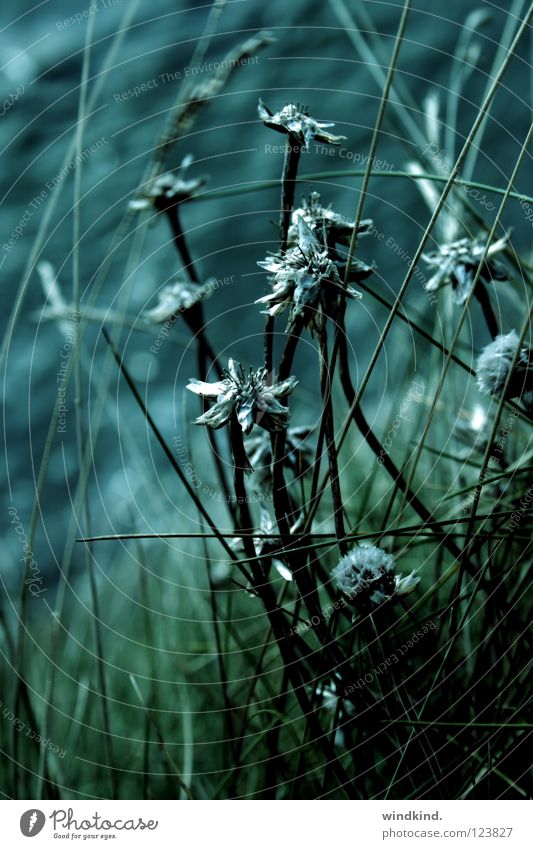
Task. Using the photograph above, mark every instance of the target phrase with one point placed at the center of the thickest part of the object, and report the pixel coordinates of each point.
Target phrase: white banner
(267, 824)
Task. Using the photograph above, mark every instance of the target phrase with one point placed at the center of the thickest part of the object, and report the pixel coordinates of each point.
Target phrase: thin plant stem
(329, 433)
(288, 187)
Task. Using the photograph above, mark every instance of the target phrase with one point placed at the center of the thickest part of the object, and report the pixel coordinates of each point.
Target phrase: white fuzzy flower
(366, 576)
(250, 396)
(297, 124)
(494, 363)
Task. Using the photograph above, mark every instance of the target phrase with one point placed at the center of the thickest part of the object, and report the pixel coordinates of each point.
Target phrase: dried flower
(297, 124)
(176, 298)
(297, 457)
(323, 220)
(494, 363)
(268, 547)
(249, 396)
(457, 264)
(169, 189)
(304, 278)
(366, 576)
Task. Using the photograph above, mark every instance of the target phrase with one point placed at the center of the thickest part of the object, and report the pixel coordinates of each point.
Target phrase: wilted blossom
(268, 547)
(247, 395)
(457, 264)
(322, 220)
(176, 298)
(303, 279)
(297, 457)
(493, 367)
(296, 122)
(367, 577)
(169, 189)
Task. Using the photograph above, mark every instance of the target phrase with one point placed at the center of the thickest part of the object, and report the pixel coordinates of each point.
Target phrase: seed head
(494, 363)
(250, 396)
(366, 576)
(169, 189)
(177, 297)
(457, 264)
(296, 122)
(322, 220)
(304, 279)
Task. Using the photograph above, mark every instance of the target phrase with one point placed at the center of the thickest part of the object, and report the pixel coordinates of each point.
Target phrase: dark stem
(329, 432)
(194, 317)
(288, 188)
(483, 297)
(181, 242)
(276, 618)
(374, 443)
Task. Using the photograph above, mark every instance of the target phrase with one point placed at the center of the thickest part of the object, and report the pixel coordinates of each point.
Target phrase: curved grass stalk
(514, 15)
(462, 319)
(313, 177)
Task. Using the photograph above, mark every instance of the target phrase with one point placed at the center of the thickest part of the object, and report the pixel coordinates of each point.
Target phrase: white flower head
(323, 220)
(251, 396)
(169, 189)
(456, 264)
(366, 576)
(494, 363)
(296, 122)
(304, 279)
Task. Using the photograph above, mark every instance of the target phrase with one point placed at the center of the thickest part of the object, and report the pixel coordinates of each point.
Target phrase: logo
(32, 822)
